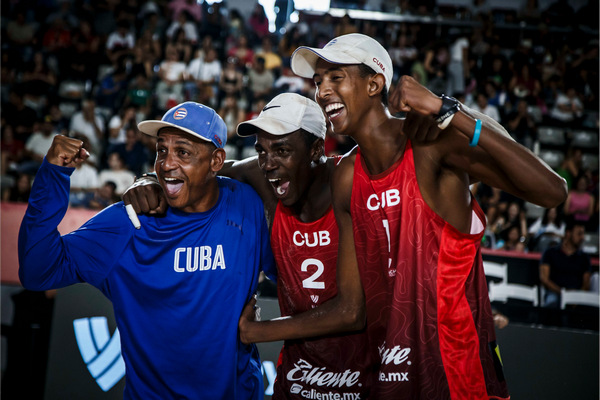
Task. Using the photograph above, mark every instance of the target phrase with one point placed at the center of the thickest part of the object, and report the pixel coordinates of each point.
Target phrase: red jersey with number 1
(428, 313)
(306, 257)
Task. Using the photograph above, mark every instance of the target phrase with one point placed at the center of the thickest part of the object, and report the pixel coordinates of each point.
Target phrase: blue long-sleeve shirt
(177, 285)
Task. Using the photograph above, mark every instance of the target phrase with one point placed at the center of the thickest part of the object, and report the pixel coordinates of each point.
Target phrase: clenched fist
(66, 152)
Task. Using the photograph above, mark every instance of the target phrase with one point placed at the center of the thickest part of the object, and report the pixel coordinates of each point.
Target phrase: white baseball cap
(354, 48)
(285, 114)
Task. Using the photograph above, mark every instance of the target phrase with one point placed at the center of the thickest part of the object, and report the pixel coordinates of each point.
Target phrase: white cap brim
(270, 125)
(304, 60)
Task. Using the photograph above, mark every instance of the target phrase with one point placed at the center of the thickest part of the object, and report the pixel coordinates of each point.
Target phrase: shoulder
(237, 190)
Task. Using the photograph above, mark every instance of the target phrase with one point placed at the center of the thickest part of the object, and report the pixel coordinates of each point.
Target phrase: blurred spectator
(120, 42)
(289, 82)
(84, 183)
(90, 123)
(112, 90)
(511, 240)
(117, 172)
(21, 34)
(231, 81)
(521, 125)
(436, 63)
(19, 192)
(133, 152)
(523, 84)
(19, 115)
(565, 265)
(514, 215)
(242, 53)
(483, 106)
(169, 88)
(260, 81)
(568, 108)
(37, 146)
(183, 46)
(184, 25)
(345, 26)
(118, 125)
(289, 42)
(259, 24)
(145, 55)
(139, 95)
(571, 166)
(65, 12)
(458, 65)
(103, 197)
(193, 7)
(272, 59)
(12, 150)
(403, 54)
(547, 230)
(580, 203)
(232, 114)
(56, 41)
(84, 58)
(202, 78)
(38, 82)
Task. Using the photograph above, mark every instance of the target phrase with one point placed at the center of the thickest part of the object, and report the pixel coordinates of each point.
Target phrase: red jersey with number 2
(306, 257)
(428, 313)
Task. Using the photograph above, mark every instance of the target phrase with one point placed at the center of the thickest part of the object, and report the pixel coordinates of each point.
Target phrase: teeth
(274, 180)
(333, 107)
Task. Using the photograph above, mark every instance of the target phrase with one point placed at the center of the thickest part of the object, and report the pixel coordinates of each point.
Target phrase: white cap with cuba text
(353, 48)
(287, 113)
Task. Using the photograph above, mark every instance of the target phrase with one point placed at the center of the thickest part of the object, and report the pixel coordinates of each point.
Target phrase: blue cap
(194, 118)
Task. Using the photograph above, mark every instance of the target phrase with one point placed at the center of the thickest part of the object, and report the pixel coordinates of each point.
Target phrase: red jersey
(428, 312)
(306, 257)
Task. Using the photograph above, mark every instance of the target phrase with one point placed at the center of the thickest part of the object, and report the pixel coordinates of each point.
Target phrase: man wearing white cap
(409, 226)
(292, 176)
(178, 283)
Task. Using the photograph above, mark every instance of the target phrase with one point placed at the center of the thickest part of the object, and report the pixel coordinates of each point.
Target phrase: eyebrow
(329, 70)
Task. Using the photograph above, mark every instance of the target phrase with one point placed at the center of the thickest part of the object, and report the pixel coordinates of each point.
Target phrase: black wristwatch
(450, 106)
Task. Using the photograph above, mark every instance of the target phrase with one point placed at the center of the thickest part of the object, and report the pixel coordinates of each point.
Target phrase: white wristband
(444, 124)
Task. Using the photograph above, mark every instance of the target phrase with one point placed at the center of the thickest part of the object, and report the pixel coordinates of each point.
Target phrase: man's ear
(376, 84)
(218, 159)
(317, 150)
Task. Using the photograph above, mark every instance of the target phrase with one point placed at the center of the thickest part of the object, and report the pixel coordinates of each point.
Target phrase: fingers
(66, 152)
(146, 197)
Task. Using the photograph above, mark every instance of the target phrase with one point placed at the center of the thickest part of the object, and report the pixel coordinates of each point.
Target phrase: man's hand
(146, 196)
(420, 106)
(66, 152)
(250, 313)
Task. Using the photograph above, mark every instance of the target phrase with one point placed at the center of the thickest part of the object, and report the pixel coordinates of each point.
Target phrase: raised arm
(346, 311)
(495, 158)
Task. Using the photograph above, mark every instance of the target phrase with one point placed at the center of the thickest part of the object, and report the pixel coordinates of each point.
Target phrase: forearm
(330, 318)
(41, 250)
(511, 167)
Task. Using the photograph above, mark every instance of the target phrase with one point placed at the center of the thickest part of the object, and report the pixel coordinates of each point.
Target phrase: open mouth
(333, 110)
(172, 186)
(281, 187)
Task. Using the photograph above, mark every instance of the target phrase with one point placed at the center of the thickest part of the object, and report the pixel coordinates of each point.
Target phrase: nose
(323, 91)
(267, 163)
(168, 162)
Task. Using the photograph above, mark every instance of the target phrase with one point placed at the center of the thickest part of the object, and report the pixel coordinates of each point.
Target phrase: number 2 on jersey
(311, 282)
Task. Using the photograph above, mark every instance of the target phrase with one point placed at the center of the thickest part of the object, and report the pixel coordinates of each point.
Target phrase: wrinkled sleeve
(48, 260)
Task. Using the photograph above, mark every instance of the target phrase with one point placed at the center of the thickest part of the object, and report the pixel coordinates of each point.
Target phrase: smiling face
(341, 92)
(287, 163)
(186, 168)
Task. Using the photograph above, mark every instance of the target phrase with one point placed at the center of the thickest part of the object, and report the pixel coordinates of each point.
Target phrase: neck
(316, 199)
(381, 142)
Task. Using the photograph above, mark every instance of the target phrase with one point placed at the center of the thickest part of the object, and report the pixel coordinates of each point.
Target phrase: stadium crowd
(93, 69)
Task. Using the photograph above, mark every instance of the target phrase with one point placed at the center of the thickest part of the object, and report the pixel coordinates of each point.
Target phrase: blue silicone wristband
(476, 133)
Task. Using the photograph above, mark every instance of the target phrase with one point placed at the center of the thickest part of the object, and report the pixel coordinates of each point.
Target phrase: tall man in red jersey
(292, 177)
(409, 224)
(410, 230)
